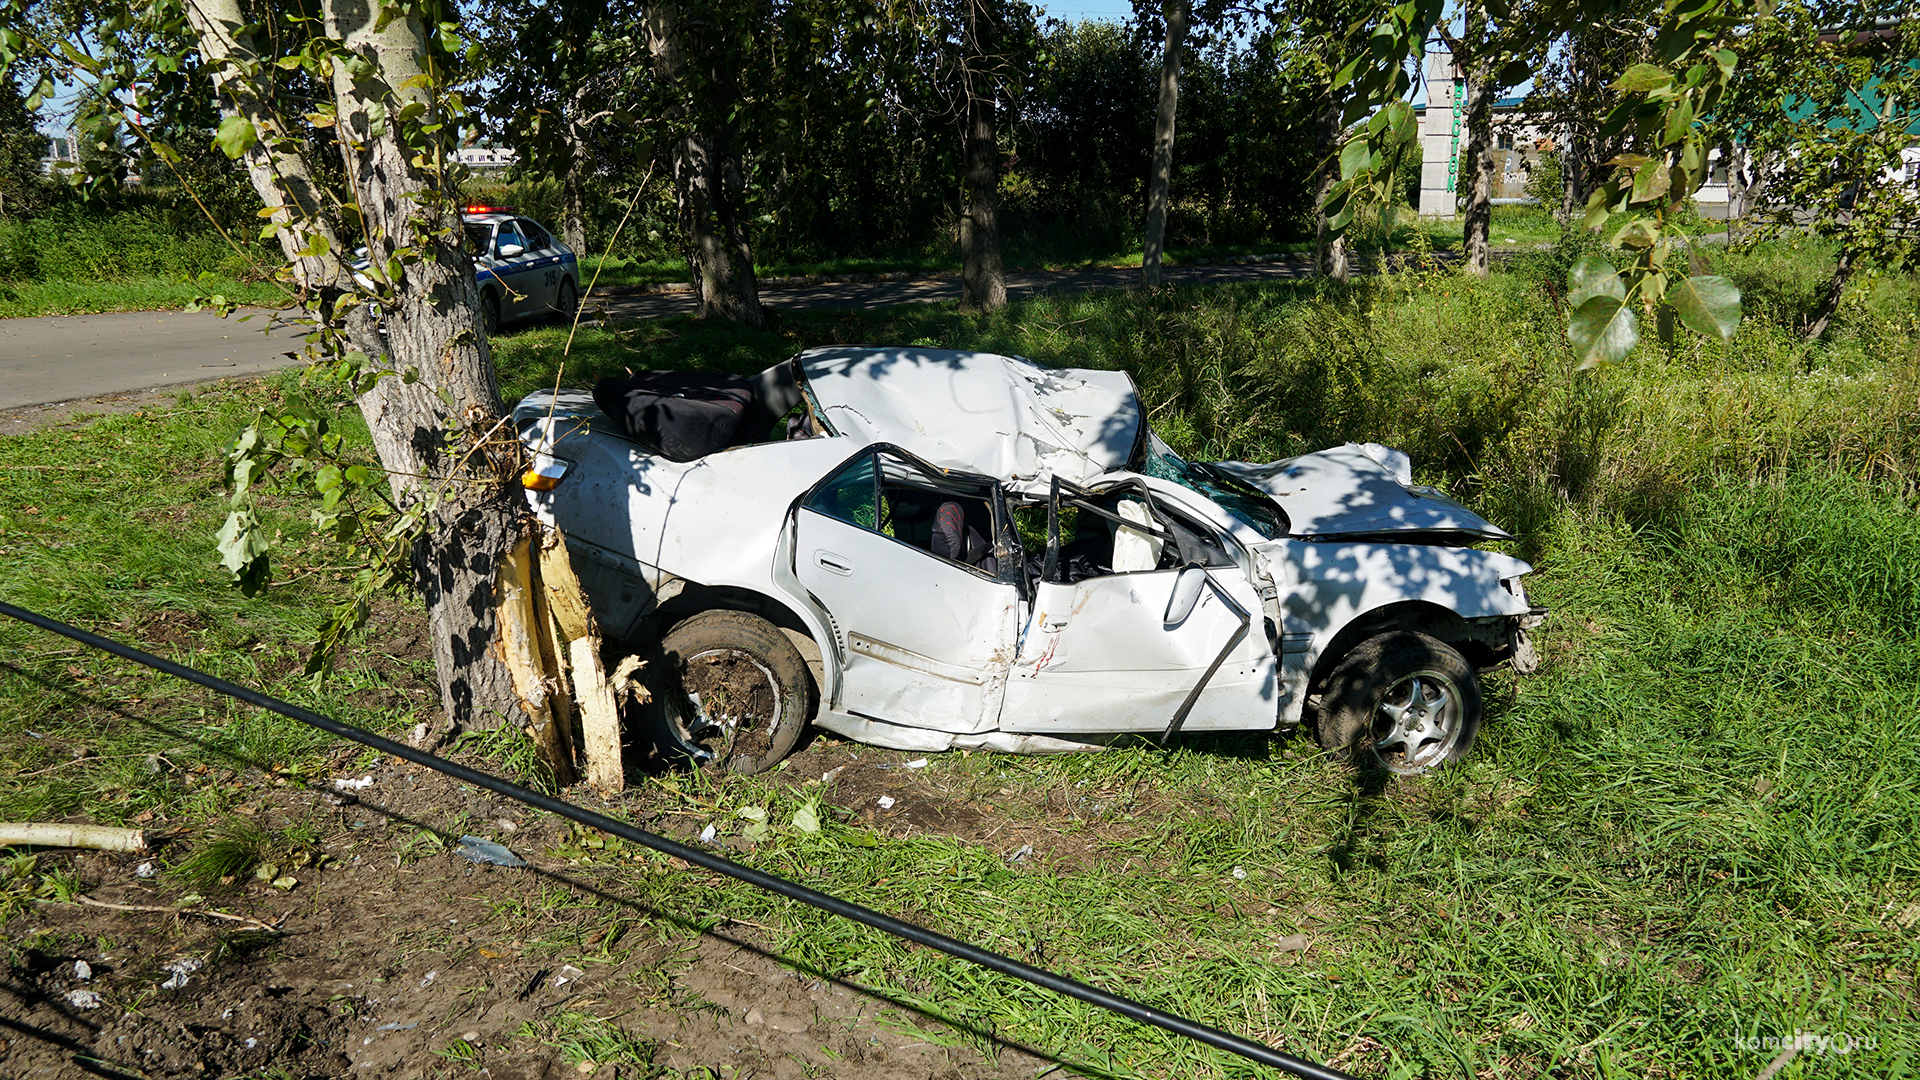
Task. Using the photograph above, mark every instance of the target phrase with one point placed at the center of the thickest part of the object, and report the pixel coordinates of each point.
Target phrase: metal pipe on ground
(992, 961)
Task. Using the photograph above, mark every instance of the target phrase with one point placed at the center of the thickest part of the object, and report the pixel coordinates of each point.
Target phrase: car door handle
(837, 564)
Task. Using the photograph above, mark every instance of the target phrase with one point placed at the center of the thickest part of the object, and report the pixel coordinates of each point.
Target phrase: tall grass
(145, 239)
(147, 252)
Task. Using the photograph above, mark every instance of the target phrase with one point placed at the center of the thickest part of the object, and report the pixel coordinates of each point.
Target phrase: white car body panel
(1358, 489)
(935, 650)
(1098, 647)
(919, 653)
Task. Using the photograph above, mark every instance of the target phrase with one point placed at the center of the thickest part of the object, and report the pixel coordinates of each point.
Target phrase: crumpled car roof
(1004, 416)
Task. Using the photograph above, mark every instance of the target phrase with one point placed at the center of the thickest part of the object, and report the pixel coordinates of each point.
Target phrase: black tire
(720, 658)
(1368, 711)
(566, 301)
(490, 311)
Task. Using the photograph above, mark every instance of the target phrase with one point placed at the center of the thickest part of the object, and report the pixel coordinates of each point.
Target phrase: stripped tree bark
(91, 837)
(1154, 245)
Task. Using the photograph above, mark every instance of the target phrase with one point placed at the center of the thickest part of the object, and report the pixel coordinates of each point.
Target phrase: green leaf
(235, 137)
(1708, 304)
(1355, 157)
(807, 819)
(1679, 120)
(243, 551)
(340, 625)
(1638, 233)
(1594, 276)
(1603, 330)
(1650, 182)
(1642, 77)
(1405, 122)
(1600, 206)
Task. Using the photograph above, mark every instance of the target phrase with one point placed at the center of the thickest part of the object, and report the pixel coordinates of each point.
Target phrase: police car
(522, 270)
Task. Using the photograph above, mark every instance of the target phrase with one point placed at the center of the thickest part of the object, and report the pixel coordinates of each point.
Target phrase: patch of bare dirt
(396, 956)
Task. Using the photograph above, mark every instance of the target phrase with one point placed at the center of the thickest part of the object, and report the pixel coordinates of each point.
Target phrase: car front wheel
(1402, 701)
(730, 692)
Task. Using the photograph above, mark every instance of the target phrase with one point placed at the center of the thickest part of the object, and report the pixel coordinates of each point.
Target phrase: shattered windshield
(1246, 504)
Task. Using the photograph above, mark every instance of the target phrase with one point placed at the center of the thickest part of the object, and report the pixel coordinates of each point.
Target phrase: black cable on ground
(992, 961)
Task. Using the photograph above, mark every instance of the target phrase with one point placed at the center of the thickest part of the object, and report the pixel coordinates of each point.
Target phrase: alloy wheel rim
(1418, 723)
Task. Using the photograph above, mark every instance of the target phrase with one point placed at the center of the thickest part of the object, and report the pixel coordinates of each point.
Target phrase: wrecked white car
(924, 549)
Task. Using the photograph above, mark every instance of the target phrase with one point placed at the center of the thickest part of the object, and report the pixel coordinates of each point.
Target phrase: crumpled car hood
(1359, 489)
(1003, 416)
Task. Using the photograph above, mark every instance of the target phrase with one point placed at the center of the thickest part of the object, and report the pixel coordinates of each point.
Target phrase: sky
(1079, 10)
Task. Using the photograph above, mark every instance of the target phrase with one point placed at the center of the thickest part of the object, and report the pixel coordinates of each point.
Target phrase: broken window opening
(1248, 505)
(1119, 530)
(950, 518)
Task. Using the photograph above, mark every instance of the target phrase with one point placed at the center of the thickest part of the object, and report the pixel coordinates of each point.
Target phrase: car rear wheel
(490, 310)
(1402, 701)
(730, 692)
(567, 301)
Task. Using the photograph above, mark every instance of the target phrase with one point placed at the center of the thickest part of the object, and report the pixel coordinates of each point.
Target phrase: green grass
(110, 526)
(1512, 226)
(152, 252)
(24, 299)
(1696, 826)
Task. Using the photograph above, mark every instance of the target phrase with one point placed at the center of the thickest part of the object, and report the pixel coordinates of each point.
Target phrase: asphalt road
(67, 358)
(60, 358)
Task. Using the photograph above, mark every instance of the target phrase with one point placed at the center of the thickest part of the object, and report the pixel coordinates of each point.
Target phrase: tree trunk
(279, 175)
(430, 313)
(433, 330)
(1330, 257)
(983, 281)
(1476, 166)
(709, 186)
(1154, 244)
(1737, 188)
(573, 177)
(1830, 299)
(1573, 202)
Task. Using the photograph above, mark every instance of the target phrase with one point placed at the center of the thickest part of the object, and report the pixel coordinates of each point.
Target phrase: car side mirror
(509, 251)
(1186, 594)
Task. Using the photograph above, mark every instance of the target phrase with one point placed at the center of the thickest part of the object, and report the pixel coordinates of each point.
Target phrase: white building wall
(1441, 135)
